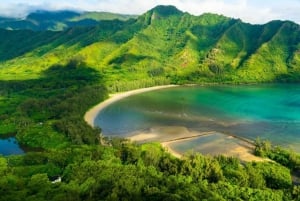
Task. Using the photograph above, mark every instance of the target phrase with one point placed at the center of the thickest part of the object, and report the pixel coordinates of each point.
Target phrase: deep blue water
(267, 111)
(9, 146)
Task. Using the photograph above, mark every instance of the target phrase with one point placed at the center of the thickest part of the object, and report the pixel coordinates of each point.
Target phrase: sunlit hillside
(163, 45)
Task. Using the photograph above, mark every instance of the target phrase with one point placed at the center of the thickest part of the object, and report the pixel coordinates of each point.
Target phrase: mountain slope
(164, 45)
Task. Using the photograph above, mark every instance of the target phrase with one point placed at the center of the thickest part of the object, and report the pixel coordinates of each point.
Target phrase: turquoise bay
(267, 111)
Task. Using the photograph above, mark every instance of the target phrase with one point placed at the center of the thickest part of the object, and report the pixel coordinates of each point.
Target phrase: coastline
(92, 113)
(243, 152)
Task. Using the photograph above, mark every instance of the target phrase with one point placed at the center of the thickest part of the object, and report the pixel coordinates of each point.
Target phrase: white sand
(90, 115)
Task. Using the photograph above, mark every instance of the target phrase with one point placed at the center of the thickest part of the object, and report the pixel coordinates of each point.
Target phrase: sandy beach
(227, 145)
(90, 115)
(173, 134)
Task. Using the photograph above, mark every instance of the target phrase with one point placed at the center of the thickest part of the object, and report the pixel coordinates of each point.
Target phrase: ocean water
(270, 112)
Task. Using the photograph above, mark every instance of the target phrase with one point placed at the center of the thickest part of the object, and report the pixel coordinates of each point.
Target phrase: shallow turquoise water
(268, 111)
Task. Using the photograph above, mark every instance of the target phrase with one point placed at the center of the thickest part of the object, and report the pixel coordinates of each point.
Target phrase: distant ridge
(42, 20)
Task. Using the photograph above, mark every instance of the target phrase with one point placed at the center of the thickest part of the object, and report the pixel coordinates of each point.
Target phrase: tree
(262, 148)
(39, 183)
(255, 178)
(296, 193)
(3, 166)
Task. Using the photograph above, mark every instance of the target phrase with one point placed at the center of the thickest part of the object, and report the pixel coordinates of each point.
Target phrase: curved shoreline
(91, 114)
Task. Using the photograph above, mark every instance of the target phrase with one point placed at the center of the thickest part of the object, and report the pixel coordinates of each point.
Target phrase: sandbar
(224, 144)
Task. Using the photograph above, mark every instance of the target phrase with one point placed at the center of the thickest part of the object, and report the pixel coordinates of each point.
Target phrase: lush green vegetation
(47, 113)
(161, 46)
(50, 79)
(125, 171)
(282, 156)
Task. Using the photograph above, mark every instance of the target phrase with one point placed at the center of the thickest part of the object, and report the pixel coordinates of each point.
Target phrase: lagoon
(10, 146)
(270, 111)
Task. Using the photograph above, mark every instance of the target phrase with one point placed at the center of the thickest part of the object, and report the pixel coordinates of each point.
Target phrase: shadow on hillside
(128, 57)
(54, 80)
(75, 71)
(61, 96)
(290, 77)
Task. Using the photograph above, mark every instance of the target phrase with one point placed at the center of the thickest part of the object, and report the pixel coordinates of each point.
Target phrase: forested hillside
(161, 46)
(125, 171)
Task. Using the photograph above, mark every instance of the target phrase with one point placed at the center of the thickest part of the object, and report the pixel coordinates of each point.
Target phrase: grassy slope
(56, 48)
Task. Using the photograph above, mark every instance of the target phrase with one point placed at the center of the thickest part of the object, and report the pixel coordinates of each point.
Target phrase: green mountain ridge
(164, 45)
